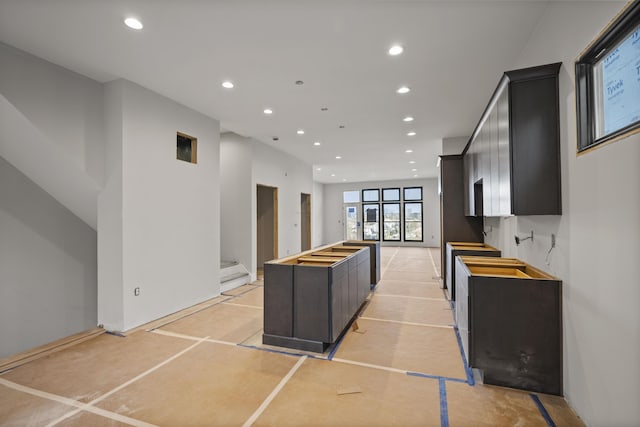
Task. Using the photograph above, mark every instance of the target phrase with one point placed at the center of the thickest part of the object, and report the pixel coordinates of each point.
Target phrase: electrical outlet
(553, 240)
(136, 292)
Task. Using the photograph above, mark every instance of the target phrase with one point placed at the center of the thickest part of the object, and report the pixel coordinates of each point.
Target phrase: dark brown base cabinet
(310, 298)
(463, 248)
(510, 324)
(374, 247)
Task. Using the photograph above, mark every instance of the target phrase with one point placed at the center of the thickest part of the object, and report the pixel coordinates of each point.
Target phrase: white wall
(170, 210)
(334, 215)
(317, 209)
(65, 106)
(47, 266)
(110, 230)
(454, 145)
(51, 129)
(291, 176)
(235, 201)
(51, 140)
(598, 241)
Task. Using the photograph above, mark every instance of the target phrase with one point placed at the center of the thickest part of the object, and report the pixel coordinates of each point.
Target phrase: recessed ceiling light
(333, 174)
(300, 132)
(324, 109)
(412, 133)
(396, 49)
(338, 157)
(133, 23)
(227, 84)
(318, 169)
(268, 111)
(344, 179)
(408, 151)
(408, 119)
(403, 89)
(317, 143)
(415, 176)
(411, 162)
(414, 170)
(299, 82)
(341, 126)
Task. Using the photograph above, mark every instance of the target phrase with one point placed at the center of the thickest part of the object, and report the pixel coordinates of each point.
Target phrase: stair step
(227, 264)
(233, 276)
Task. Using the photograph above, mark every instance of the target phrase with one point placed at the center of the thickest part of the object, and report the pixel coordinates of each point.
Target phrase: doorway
(352, 222)
(305, 222)
(267, 225)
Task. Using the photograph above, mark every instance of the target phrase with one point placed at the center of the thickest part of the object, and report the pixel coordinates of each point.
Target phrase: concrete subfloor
(401, 366)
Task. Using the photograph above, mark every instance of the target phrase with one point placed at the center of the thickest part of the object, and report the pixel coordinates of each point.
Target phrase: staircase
(232, 275)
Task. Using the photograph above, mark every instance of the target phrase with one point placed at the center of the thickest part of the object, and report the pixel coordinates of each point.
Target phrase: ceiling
(454, 54)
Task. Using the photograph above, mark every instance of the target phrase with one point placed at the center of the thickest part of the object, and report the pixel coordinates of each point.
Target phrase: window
(371, 195)
(391, 221)
(351, 196)
(412, 193)
(186, 148)
(608, 83)
(390, 194)
(413, 222)
(371, 216)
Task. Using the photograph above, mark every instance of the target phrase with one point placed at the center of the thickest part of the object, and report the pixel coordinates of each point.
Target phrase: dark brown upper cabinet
(512, 161)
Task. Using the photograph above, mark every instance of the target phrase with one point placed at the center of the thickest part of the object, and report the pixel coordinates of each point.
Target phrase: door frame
(305, 219)
(274, 192)
(359, 229)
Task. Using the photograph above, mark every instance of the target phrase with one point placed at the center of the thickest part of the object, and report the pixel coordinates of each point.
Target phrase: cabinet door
(535, 154)
(504, 155)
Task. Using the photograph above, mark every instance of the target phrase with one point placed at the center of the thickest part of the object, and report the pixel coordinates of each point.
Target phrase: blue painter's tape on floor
(542, 409)
(467, 369)
(444, 410)
(335, 347)
(452, 304)
(435, 377)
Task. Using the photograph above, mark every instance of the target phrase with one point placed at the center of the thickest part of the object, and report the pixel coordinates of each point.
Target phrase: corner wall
(598, 235)
(333, 226)
(235, 202)
(317, 209)
(170, 235)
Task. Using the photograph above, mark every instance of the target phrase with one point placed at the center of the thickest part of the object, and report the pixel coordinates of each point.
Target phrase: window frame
(392, 200)
(192, 152)
(364, 221)
(627, 21)
(400, 222)
(404, 212)
(404, 190)
(377, 190)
